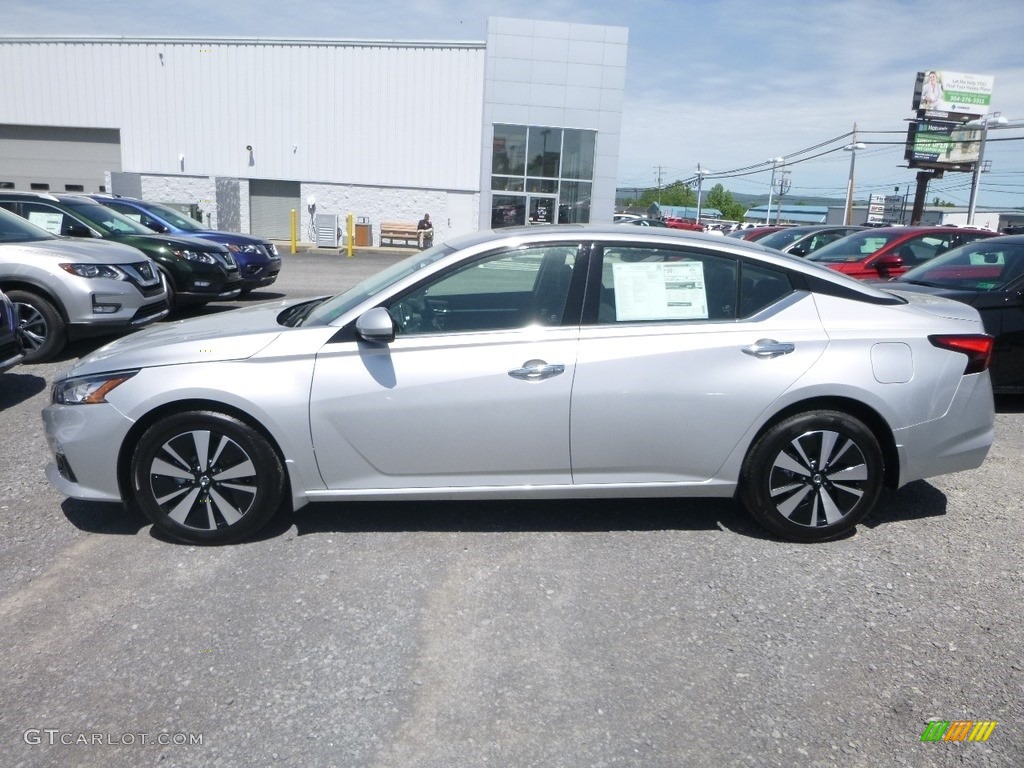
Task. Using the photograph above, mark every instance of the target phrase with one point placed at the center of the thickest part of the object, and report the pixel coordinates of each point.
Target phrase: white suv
(64, 289)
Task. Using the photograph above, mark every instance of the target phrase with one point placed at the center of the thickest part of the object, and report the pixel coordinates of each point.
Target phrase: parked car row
(974, 266)
(75, 266)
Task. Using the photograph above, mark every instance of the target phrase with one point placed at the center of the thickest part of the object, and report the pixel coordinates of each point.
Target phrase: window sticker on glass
(49, 221)
(660, 291)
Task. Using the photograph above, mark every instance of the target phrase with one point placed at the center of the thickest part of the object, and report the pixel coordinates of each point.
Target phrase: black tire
(227, 496)
(42, 330)
(812, 476)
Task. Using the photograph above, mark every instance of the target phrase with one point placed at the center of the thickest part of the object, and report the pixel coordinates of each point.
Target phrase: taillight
(978, 349)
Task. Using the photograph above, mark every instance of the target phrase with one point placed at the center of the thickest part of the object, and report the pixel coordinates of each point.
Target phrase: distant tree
(718, 197)
(674, 194)
(942, 203)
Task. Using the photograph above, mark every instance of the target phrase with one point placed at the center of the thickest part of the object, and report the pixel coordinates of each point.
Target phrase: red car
(756, 233)
(887, 252)
(676, 223)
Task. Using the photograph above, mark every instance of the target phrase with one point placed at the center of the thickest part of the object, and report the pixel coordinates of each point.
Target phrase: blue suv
(258, 259)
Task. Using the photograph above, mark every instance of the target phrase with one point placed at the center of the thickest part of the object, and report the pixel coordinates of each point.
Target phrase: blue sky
(727, 84)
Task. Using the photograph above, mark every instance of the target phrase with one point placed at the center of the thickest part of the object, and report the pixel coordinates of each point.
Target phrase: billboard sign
(953, 93)
(876, 209)
(937, 144)
(893, 212)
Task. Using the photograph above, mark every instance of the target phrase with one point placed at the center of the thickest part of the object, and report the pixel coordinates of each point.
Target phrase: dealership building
(521, 128)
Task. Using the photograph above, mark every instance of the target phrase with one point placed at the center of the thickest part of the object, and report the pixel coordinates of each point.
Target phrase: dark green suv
(197, 270)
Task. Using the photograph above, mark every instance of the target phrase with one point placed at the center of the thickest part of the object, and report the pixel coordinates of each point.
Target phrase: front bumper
(203, 290)
(84, 441)
(11, 353)
(102, 324)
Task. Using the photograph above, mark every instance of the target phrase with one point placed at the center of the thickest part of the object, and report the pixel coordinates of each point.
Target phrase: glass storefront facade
(541, 175)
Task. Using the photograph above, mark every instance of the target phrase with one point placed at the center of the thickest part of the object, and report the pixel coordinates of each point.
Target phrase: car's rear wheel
(42, 330)
(812, 476)
(206, 477)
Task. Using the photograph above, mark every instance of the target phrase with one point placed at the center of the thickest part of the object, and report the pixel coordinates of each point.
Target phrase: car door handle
(536, 370)
(765, 349)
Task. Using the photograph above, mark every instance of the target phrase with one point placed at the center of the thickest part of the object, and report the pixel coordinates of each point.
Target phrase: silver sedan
(542, 362)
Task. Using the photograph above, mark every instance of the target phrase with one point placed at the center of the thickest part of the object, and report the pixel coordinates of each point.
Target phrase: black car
(197, 270)
(11, 350)
(258, 259)
(800, 241)
(989, 275)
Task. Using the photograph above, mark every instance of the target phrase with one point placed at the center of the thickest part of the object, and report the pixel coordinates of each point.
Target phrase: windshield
(176, 218)
(14, 229)
(330, 310)
(106, 220)
(984, 265)
(854, 247)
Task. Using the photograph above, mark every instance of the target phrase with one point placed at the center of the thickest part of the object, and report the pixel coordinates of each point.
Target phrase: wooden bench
(393, 231)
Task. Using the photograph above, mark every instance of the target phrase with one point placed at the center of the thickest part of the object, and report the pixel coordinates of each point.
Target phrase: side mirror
(156, 226)
(376, 325)
(76, 229)
(885, 264)
(799, 250)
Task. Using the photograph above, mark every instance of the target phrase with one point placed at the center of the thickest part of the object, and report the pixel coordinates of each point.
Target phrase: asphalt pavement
(438, 635)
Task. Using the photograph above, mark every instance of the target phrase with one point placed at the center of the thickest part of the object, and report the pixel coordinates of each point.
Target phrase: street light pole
(852, 149)
(771, 187)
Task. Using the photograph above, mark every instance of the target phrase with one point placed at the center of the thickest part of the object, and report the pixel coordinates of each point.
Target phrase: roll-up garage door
(270, 206)
(54, 159)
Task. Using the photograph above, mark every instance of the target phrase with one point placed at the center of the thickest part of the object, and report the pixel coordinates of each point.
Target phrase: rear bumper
(958, 440)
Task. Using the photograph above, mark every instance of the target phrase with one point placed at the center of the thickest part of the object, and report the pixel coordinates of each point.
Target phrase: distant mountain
(752, 201)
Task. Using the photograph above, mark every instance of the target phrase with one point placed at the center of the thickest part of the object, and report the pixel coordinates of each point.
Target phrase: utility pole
(783, 189)
(771, 187)
(658, 168)
(700, 180)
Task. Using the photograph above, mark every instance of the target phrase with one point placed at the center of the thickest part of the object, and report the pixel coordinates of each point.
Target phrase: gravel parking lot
(414, 635)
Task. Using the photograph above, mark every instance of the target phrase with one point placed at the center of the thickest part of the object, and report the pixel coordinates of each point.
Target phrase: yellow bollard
(351, 227)
(295, 230)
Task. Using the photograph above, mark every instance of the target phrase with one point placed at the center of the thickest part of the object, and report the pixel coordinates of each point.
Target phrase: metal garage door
(57, 159)
(270, 206)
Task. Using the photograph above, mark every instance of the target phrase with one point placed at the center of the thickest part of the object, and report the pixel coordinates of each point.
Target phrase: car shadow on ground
(17, 386)
(914, 501)
(257, 296)
(917, 500)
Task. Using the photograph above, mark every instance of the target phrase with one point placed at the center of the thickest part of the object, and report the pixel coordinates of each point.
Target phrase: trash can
(364, 232)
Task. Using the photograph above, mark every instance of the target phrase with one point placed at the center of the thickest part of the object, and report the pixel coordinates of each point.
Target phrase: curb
(284, 248)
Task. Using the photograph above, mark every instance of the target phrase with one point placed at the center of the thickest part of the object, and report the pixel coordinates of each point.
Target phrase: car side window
(53, 220)
(502, 291)
(923, 248)
(761, 287)
(130, 212)
(658, 284)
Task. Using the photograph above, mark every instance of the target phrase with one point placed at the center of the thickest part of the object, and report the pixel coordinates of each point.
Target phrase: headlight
(202, 258)
(94, 270)
(236, 248)
(88, 390)
(272, 248)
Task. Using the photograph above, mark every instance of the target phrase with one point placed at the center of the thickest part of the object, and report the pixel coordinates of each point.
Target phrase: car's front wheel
(42, 330)
(206, 477)
(812, 476)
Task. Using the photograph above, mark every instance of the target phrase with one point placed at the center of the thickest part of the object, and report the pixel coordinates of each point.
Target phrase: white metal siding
(377, 114)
